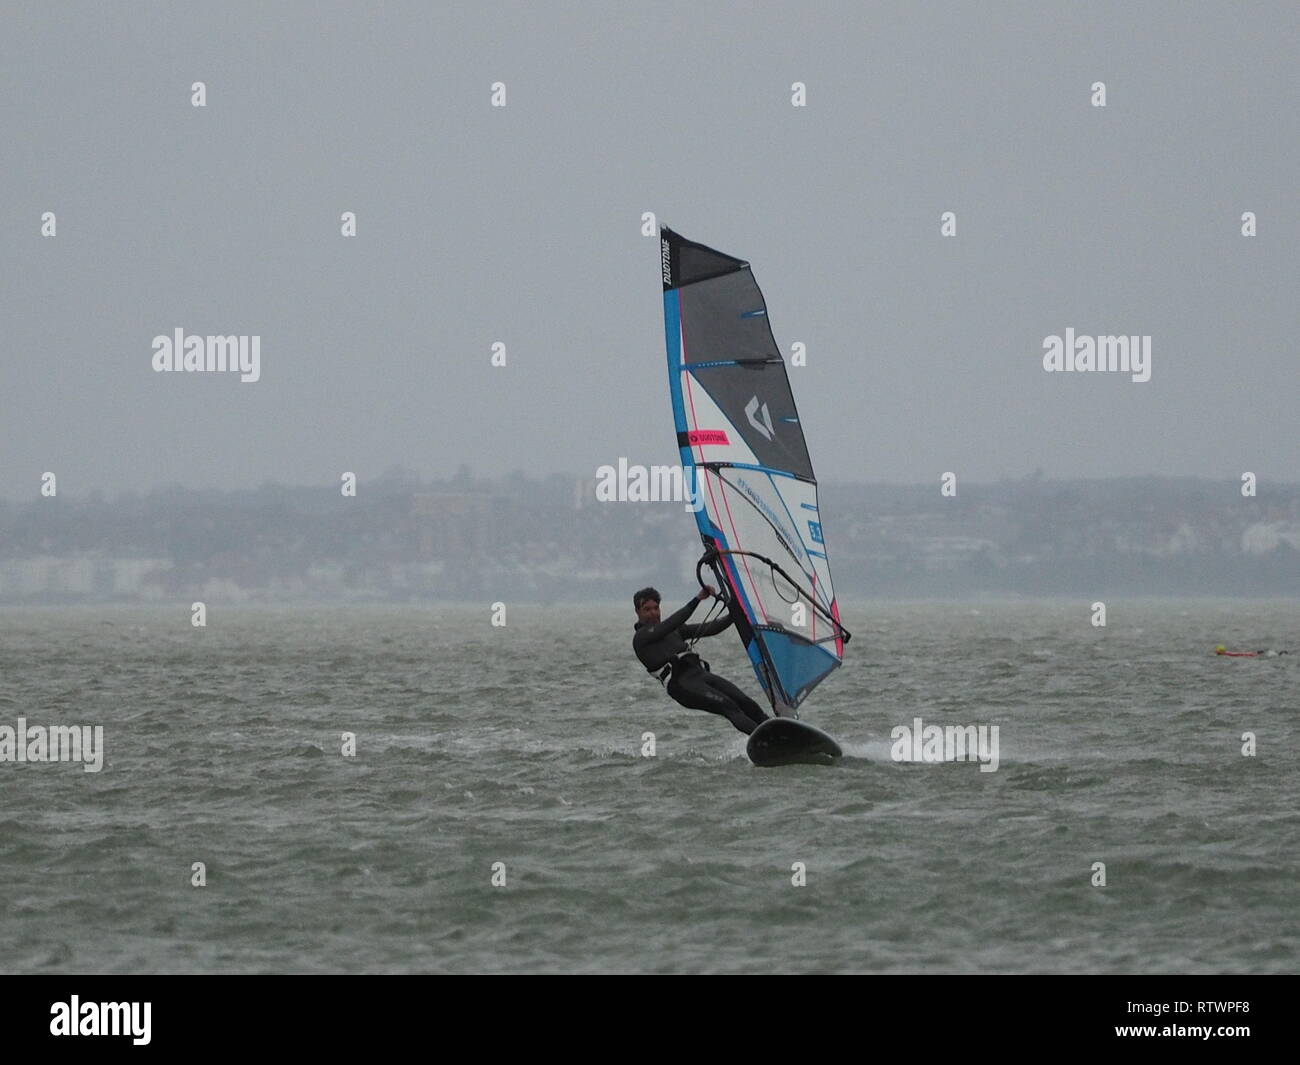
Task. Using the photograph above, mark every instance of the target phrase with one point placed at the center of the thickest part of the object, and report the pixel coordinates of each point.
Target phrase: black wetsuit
(662, 649)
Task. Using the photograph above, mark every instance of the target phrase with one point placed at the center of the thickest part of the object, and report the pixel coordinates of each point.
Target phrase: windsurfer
(661, 646)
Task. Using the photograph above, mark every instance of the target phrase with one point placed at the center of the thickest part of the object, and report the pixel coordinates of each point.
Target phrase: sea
(402, 789)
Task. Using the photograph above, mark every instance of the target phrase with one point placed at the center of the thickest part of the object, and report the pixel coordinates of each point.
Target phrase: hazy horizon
(523, 224)
(388, 480)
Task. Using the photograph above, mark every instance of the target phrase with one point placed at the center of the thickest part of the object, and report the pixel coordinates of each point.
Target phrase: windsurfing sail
(743, 450)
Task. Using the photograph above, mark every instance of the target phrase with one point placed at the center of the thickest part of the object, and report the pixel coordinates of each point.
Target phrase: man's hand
(705, 592)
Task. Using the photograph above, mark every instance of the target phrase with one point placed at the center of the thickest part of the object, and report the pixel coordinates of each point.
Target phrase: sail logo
(1102, 354)
(633, 483)
(946, 743)
(765, 427)
(710, 437)
(784, 534)
(667, 258)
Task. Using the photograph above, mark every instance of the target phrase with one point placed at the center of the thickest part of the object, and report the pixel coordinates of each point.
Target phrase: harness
(690, 658)
(687, 658)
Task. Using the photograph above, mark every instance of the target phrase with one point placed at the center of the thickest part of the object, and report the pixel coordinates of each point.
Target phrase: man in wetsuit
(661, 647)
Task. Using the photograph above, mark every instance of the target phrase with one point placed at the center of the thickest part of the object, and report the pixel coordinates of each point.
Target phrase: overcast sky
(522, 225)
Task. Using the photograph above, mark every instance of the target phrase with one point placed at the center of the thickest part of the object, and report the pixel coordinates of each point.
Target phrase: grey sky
(522, 225)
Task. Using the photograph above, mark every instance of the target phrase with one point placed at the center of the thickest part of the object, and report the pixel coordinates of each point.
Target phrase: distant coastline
(467, 539)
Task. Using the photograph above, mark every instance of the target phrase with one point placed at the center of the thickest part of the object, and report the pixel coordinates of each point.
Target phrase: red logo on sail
(698, 437)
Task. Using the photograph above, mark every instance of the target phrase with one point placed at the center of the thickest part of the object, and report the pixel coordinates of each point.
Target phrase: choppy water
(521, 745)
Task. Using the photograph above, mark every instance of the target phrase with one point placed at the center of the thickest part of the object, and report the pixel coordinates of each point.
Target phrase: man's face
(648, 612)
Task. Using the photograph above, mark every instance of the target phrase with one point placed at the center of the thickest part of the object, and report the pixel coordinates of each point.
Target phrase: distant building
(449, 523)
